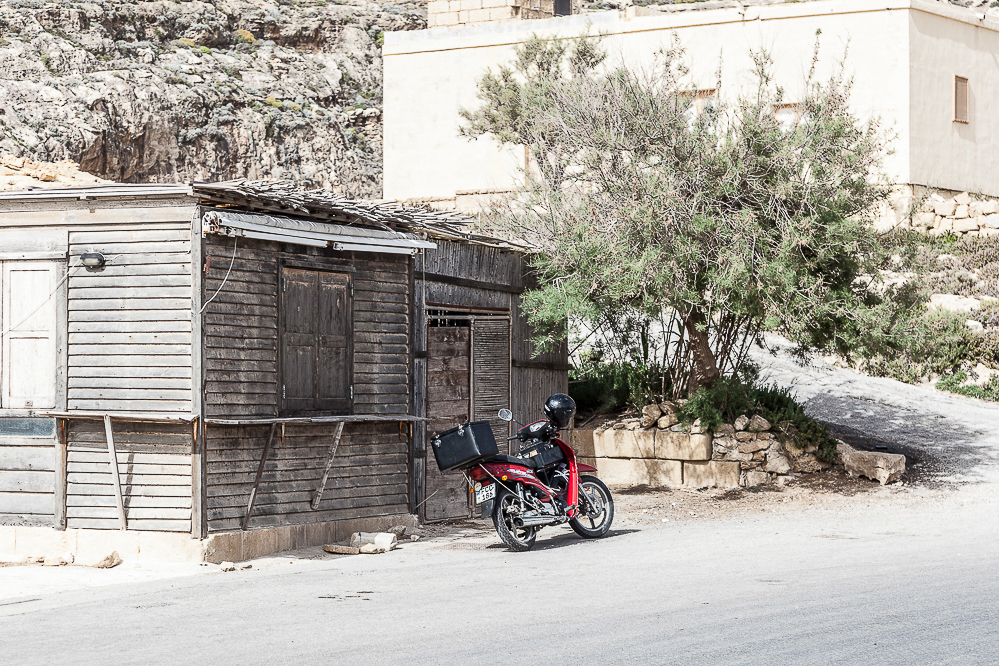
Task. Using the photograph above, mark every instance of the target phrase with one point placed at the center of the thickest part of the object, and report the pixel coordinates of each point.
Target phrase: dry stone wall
(657, 451)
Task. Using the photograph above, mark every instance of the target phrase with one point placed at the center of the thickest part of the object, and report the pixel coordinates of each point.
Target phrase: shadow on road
(935, 446)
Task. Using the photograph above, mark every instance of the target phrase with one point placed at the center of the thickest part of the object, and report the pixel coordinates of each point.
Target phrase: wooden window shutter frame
(28, 350)
(961, 100)
(316, 342)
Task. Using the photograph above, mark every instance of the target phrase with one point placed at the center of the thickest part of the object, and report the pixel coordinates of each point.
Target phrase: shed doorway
(468, 379)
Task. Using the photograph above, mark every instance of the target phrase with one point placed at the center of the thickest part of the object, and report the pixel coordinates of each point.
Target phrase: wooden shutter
(315, 341)
(298, 339)
(28, 354)
(333, 365)
(961, 114)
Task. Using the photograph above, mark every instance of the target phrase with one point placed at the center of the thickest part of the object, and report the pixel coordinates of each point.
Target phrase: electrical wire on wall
(231, 262)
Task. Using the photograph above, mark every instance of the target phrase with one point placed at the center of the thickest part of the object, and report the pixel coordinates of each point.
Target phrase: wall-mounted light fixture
(94, 261)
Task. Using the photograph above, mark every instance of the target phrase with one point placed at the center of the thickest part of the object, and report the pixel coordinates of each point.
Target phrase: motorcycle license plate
(485, 494)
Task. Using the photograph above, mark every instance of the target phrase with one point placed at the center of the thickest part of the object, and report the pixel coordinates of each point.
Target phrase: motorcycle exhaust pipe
(535, 521)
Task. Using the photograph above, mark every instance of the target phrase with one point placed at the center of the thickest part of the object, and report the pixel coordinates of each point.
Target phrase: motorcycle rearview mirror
(505, 415)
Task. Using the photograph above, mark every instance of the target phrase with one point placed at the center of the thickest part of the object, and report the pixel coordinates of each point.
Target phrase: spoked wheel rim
(512, 506)
(593, 510)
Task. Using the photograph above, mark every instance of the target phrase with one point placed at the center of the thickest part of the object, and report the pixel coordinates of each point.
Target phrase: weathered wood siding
(369, 476)
(370, 473)
(535, 375)
(154, 464)
(129, 340)
(241, 327)
(27, 472)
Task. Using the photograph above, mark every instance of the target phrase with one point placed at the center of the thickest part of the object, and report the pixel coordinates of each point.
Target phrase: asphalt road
(854, 585)
(901, 576)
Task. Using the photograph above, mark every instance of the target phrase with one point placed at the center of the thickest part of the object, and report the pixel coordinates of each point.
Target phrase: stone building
(926, 69)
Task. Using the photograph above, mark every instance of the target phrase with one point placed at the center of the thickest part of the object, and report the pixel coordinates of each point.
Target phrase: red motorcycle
(542, 485)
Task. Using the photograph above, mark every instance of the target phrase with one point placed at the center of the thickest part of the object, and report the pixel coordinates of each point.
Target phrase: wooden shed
(250, 356)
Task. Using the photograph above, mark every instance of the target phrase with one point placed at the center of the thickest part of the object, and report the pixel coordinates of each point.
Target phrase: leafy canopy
(709, 220)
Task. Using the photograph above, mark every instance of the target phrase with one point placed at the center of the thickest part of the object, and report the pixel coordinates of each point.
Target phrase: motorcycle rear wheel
(516, 538)
(596, 509)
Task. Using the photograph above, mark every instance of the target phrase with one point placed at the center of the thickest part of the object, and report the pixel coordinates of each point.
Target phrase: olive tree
(708, 221)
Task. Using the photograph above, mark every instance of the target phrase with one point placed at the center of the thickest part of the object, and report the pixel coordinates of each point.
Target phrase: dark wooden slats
(242, 342)
(368, 476)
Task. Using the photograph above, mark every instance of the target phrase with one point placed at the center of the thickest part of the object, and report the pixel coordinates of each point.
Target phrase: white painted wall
(945, 154)
(903, 55)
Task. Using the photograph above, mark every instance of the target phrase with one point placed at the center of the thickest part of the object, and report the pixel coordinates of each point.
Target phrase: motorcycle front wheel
(596, 509)
(508, 506)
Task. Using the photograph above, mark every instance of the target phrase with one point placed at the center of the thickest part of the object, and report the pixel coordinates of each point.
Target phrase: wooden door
(448, 405)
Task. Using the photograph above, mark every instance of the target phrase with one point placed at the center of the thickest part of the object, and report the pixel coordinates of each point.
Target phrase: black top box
(464, 446)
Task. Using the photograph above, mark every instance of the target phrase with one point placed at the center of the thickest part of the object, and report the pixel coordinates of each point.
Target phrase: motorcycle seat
(511, 460)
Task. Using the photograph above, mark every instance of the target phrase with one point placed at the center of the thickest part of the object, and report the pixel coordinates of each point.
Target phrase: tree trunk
(705, 371)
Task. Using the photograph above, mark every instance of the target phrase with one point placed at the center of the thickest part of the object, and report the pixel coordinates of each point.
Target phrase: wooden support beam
(115, 478)
(260, 473)
(60, 476)
(329, 464)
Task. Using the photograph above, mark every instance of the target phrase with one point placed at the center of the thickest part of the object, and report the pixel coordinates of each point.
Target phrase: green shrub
(245, 37)
(608, 387)
(955, 383)
(731, 397)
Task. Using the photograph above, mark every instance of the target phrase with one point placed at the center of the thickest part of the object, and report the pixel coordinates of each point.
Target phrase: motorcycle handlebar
(512, 438)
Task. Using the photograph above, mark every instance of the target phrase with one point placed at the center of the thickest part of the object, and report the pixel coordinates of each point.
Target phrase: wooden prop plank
(260, 473)
(113, 459)
(329, 464)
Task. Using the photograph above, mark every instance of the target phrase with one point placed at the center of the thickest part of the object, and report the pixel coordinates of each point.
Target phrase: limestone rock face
(173, 91)
(758, 424)
(742, 422)
(881, 467)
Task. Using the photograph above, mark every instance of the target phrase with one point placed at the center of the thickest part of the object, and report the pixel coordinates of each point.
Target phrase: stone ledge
(712, 474)
(640, 472)
(89, 546)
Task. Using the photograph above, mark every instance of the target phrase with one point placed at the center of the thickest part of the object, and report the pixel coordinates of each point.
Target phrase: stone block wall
(462, 12)
(939, 212)
(663, 453)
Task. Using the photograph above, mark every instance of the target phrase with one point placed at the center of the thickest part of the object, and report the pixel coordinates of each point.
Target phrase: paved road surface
(907, 576)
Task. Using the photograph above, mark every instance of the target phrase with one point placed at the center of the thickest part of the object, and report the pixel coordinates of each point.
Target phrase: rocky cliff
(169, 91)
(173, 90)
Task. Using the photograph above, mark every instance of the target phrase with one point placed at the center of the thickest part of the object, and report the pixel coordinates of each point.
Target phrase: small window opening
(961, 100)
(563, 7)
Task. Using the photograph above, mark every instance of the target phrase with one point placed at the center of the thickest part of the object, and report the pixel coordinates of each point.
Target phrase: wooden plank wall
(535, 375)
(369, 476)
(241, 324)
(240, 328)
(129, 346)
(27, 480)
(154, 464)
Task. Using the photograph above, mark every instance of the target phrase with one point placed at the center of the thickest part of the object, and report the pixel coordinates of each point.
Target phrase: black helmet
(560, 409)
